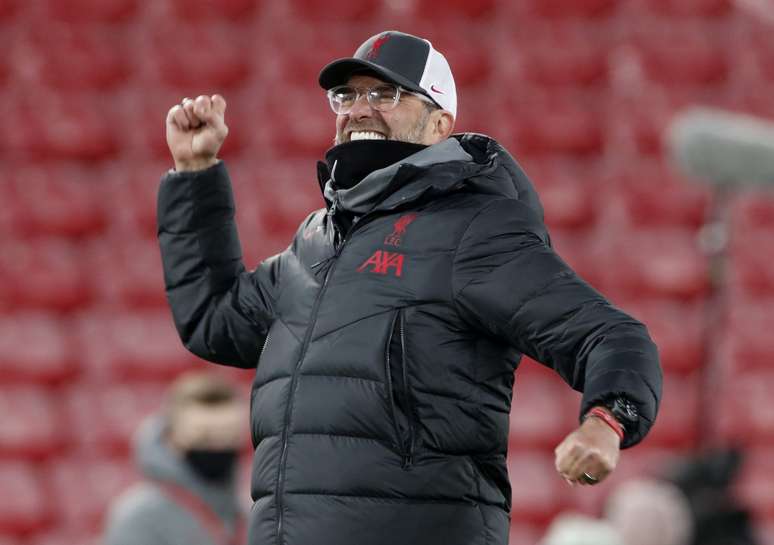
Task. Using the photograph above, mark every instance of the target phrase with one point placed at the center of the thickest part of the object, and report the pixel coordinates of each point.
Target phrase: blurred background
(580, 91)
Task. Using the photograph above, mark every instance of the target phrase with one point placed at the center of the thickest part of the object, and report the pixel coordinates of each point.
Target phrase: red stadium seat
(54, 201)
(752, 210)
(456, 9)
(524, 534)
(35, 348)
(654, 196)
(129, 193)
(140, 346)
(560, 54)
(677, 329)
(93, 11)
(557, 123)
(46, 274)
(301, 123)
(657, 262)
(31, 424)
(749, 344)
(24, 506)
(127, 272)
(66, 58)
(745, 408)
(538, 492)
(688, 8)
(8, 8)
(315, 11)
(98, 482)
(754, 483)
(102, 419)
(222, 61)
(59, 127)
(563, 9)
(66, 537)
(567, 194)
(544, 409)
(750, 265)
(677, 424)
(577, 249)
(206, 11)
(682, 54)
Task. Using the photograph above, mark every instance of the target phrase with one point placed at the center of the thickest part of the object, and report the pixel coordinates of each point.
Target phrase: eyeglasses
(383, 97)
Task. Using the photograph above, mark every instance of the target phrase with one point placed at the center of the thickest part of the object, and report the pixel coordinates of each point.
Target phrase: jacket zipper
(405, 441)
(293, 380)
(409, 458)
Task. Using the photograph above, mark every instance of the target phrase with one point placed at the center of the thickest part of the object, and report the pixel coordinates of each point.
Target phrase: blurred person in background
(188, 457)
(650, 512)
(385, 337)
(576, 529)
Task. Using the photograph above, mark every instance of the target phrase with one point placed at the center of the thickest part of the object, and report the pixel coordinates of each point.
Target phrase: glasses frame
(366, 91)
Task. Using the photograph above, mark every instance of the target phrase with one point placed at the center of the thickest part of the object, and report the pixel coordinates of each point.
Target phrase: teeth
(365, 135)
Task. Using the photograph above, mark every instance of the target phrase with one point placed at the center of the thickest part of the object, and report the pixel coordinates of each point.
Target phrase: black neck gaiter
(350, 162)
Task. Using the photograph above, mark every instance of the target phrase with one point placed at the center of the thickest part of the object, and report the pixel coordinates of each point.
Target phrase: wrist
(195, 165)
(603, 414)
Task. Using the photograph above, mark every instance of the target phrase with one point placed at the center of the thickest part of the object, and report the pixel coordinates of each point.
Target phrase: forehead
(362, 80)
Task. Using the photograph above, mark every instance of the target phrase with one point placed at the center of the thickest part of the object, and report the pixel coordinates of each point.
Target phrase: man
(188, 456)
(386, 336)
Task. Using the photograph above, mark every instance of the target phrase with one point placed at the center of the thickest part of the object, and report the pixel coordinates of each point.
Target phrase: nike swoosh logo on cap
(433, 89)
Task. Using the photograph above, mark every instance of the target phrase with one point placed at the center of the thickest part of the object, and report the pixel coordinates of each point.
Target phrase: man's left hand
(588, 454)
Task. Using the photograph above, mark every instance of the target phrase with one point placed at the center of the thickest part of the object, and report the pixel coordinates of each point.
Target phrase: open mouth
(366, 135)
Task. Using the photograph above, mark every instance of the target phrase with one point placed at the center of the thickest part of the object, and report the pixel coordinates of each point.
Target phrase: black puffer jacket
(380, 402)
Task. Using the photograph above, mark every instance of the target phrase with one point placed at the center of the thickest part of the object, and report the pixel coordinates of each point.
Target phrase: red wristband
(608, 419)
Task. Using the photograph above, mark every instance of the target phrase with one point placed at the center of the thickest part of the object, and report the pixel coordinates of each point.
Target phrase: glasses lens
(384, 97)
(342, 98)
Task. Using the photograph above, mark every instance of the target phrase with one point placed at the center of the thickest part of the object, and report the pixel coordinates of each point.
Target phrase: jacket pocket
(399, 390)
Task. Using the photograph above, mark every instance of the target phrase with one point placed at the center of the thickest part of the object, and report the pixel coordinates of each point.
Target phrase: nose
(361, 108)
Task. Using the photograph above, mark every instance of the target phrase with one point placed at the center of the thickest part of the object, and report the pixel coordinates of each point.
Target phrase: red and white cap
(400, 58)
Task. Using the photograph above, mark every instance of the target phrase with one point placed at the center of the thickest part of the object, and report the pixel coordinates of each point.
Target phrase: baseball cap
(399, 58)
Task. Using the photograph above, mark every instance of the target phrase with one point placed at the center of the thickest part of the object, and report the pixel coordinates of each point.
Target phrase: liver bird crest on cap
(378, 43)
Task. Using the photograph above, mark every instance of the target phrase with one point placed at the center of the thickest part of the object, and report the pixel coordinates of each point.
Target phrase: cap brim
(339, 71)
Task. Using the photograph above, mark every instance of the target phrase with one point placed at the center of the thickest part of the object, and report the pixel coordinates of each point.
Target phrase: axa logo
(383, 262)
(399, 229)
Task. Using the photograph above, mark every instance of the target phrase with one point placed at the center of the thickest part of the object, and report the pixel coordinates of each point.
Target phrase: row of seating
(319, 10)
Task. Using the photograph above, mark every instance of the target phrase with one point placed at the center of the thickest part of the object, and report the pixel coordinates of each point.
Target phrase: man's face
(208, 427)
(409, 121)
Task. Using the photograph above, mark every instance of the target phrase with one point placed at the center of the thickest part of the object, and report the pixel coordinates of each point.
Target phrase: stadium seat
(302, 124)
(24, 508)
(453, 9)
(92, 11)
(524, 534)
(206, 11)
(749, 344)
(36, 349)
(98, 482)
(32, 427)
(538, 492)
(754, 483)
(129, 190)
(752, 209)
(126, 272)
(560, 54)
(543, 410)
(677, 424)
(316, 11)
(677, 329)
(688, 8)
(59, 127)
(577, 250)
(136, 346)
(750, 269)
(557, 123)
(221, 63)
(745, 409)
(656, 262)
(563, 9)
(682, 55)
(44, 274)
(102, 418)
(8, 8)
(67, 58)
(49, 200)
(567, 193)
(66, 537)
(654, 196)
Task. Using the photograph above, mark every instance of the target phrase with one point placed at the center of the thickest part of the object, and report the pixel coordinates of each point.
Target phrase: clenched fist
(588, 454)
(196, 130)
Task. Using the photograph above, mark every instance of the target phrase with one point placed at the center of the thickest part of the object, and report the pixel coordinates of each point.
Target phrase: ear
(443, 124)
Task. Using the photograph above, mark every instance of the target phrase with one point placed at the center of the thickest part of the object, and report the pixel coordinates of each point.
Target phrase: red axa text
(383, 262)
